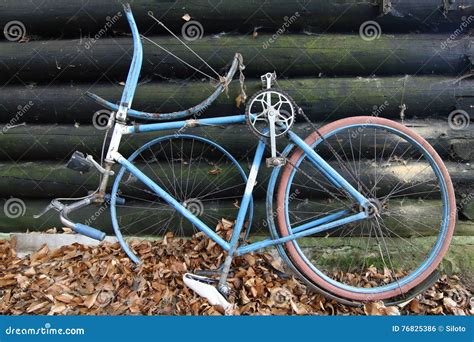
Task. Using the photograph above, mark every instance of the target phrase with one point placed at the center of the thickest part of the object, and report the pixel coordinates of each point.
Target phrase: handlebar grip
(89, 231)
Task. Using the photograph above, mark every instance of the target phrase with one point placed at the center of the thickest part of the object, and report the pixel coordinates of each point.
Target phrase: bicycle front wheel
(198, 173)
(403, 240)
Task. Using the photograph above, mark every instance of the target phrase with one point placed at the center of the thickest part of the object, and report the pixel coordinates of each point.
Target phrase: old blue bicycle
(357, 194)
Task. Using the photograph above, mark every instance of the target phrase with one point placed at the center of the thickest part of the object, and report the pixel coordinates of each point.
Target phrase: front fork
(104, 181)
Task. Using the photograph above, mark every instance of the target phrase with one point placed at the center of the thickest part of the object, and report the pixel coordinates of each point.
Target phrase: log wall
(417, 70)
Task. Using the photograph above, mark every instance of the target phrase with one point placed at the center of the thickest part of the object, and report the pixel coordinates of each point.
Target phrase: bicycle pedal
(204, 287)
(78, 162)
(201, 278)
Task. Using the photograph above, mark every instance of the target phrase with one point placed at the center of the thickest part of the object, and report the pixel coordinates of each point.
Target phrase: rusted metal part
(197, 109)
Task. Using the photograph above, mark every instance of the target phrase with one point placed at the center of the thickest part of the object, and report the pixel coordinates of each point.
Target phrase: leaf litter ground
(101, 280)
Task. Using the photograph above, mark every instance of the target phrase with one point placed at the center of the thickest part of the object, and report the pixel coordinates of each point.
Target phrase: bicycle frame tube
(310, 228)
(173, 202)
(318, 229)
(316, 226)
(246, 199)
(155, 127)
(327, 170)
(135, 67)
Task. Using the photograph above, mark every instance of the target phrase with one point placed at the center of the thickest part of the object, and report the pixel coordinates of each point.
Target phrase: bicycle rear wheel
(394, 250)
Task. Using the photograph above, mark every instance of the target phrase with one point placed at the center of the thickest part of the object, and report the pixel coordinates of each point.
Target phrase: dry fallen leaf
(379, 309)
(57, 309)
(101, 280)
(36, 306)
(65, 297)
(239, 100)
(89, 300)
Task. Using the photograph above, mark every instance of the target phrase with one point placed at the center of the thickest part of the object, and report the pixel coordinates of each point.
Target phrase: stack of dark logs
(416, 66)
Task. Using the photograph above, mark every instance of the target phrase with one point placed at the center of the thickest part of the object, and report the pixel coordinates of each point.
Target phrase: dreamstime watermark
(110, 21)
(21, 110)
(96, 214)
(376, 111)
(14, 208)
(458, 119)
(190, 123)
(275, 213)
(466, 22)
(14, 30)
(283, 28)
(192, 30)
(370, 30)
(465, 200)
(100, 119)
(195, 206)
(46, 330)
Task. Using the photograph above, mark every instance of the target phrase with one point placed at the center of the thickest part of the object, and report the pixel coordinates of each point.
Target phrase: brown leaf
(30, 271)
(250, 259)
(36, 306)
(65, 297)
(379, 309)
(415, 306)
(239, 100)
(22, 281)
(392, 311)
(215, 171)
(280, 297)
(57, 308)
(42, 253)
(450, 305)
(7, 282)
(89, 300)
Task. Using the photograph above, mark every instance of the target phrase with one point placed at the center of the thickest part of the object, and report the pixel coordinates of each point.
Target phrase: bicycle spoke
(183, 167)
(399, 181)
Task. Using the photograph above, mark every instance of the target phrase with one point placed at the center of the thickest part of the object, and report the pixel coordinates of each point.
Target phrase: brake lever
(56, 205)
(98, 166)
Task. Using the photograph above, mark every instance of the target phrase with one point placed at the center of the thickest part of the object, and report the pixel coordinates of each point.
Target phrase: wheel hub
(374, 207)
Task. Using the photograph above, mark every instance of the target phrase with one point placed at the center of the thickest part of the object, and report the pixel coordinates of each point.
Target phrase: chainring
(258, 106)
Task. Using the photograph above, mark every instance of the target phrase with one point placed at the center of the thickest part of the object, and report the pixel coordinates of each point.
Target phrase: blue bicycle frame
(121, 128)
(313, 227)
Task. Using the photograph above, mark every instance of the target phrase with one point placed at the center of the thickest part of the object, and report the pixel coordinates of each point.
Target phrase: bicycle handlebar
(179, 114)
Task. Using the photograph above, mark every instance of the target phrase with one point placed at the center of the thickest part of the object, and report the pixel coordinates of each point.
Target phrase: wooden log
(56, 18)
(465, 205)
(289, 56)
(322, 99)
(52, 179)
(43, 142)
(99, 217)
(337, 254)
